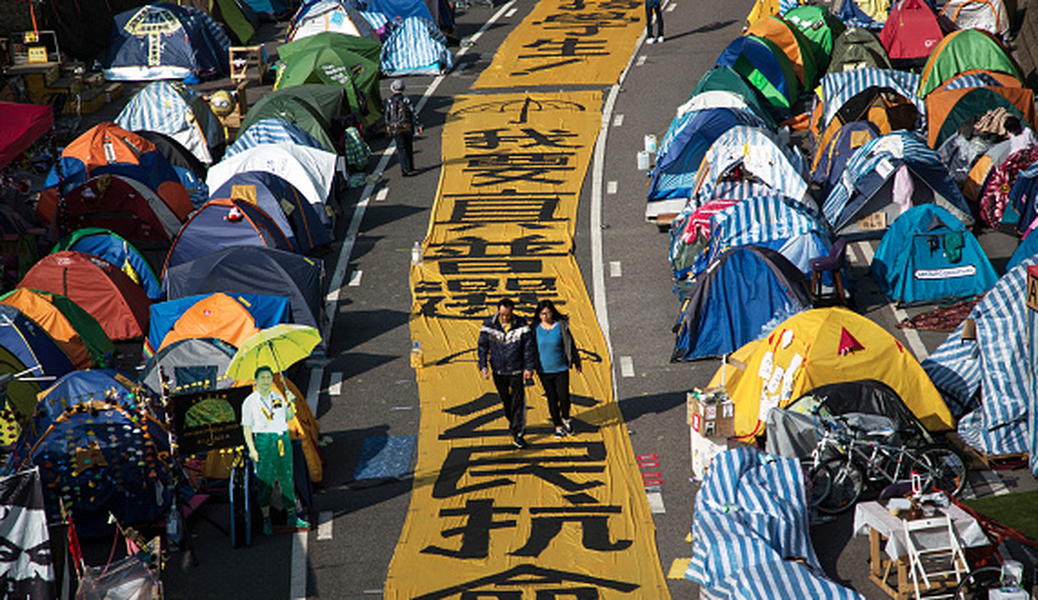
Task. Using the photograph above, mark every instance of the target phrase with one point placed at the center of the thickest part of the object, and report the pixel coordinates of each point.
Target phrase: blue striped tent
(378, 21)
(751, 517)
(838, 88)
(173, 109)
(866, 186)
(273, 131)
(968, 80)
(317, 16)
(760, 152)
(415, 47)
(774, 222)
(990, 368)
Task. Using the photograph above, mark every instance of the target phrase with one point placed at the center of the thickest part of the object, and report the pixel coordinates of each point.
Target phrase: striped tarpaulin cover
(273, 131)
(838, 88)
(415, 46)
(762, 153)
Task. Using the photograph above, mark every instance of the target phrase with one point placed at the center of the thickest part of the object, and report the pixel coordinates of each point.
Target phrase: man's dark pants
(405, 151)
(513, 396)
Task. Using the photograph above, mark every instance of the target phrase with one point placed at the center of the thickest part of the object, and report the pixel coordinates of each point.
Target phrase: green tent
(230, 14)
(336, 59)
(726, 79)
(820, 27)
(857, 48)
(97, 342)
(976, 101)
(20, 400)
(961, 51)
(312, 107)
(766, 67)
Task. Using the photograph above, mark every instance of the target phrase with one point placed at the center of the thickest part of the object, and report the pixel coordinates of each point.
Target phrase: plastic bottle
(416, 253)
(417, 359)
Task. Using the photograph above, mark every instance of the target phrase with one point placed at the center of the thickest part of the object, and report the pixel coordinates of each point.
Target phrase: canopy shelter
(312, 107)
(78, 334)
(765, 67)
(231, 318)
(276, 195)
(961, 51)
(22, 125)
(745, 290)
(111, 247)
(819, 347)
(995, 198)
(171, 108)
(118, 304)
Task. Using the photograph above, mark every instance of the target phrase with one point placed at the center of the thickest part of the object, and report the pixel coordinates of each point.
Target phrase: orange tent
(218, 316)
(794, 45)
(947, 109)
(47, 316)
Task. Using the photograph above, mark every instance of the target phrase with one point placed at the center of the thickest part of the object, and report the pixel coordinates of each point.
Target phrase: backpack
(399, 116)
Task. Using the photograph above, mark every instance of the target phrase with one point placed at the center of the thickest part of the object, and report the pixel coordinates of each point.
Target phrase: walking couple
(510, 350)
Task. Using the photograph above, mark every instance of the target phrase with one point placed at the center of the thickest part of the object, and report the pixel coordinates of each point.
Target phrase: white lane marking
(626, 366)
(615, 269)
(382, 193)
(511, 12)
(671, 7)
(618, 120)
(298, 589)
(641, 60)
(915, 343)
(298, 575)
(335, 384)
(611, 187)
(656, 502)
(355, 278)
(401, 408)
(324, 528)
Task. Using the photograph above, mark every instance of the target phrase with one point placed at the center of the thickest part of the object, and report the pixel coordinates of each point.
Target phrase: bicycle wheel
(842, 482)
(976, 584)
(942, 469)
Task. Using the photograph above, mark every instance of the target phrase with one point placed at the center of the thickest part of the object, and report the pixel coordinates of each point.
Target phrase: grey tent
(192, 365)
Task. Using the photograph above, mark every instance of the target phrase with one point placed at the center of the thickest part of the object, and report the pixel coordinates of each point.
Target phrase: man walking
(401, 124)
(506, 348)
(653, 6)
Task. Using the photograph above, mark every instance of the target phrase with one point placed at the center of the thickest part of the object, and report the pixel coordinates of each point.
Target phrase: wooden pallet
(981, 460)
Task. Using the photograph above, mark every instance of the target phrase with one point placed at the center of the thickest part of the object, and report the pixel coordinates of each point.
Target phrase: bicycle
(845, 459)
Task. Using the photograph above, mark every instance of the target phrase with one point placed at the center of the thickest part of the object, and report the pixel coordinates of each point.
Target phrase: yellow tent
(762, 9)
(819, 347)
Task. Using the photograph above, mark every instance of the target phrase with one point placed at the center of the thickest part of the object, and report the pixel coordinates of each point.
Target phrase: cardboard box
(708, 418)
(704, 449)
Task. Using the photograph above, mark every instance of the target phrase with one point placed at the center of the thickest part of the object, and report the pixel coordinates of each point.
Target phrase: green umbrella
(277, 347)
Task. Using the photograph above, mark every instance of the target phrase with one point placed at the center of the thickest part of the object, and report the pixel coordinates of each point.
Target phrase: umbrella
(278, 347)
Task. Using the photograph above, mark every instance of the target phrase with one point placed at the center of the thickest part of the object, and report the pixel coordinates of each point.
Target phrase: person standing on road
(653, 6)
(264, 418)
(556, 354)
(505, 348)
(401, 125)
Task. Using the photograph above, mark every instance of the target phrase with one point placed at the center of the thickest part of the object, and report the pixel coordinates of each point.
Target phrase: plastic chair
(934, 553)
(829, 264)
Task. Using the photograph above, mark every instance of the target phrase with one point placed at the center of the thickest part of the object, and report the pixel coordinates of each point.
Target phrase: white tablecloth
(875, 516)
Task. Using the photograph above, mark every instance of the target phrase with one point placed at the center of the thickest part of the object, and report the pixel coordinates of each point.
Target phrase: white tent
(987, 15)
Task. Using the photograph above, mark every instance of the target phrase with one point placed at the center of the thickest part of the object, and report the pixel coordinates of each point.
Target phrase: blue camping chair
(829, 264)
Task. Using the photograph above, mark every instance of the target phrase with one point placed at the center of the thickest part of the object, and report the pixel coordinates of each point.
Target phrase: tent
(987, 368)
(867, 188)
(757, 151)
(108, 148)
(851, 96)
(256, 270)
(999, 183)
(1028, 248)
(793, 44)
(312, 107)
(727, 79)
(744, 291)
(21, 394)
(415, 47)
(866, 396)
(870, 14)
(31, 344)
(979, 78)
(401, 10)
(171, 108)
(311, 171)
(274, 194)
(831, 160)
(22, 125)
(820, 27)
(1024, 198)
(238, 18)
(193, 364)
(100, 288)
(165, 41)
(682, 150)
(986, 15)
(751, 534)
(189, 318)
(819, 347)
(927, 255)
(329, 15)
(774, 222)
(273, 131)
(690, 234)
(911, 33)
(73, 329)
(857, 48)
(765, 67)
(947, 110)
(109, 246)
(120, 204)
(85, 386)
(223, 223)
(960, 51)
(188, 168)
(884, 107)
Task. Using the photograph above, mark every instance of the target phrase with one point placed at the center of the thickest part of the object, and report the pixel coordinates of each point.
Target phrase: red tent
(22, 125)
(98, 287)
(911, 31)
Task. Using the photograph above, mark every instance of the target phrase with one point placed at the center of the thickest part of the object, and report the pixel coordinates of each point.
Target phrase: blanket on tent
(750, 533)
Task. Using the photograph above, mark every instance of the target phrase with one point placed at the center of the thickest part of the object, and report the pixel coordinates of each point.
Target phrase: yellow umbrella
(277, 347)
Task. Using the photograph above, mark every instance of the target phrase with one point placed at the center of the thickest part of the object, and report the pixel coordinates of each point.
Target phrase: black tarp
(871, 397)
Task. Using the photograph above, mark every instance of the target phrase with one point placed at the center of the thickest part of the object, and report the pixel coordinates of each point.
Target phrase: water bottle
(417, 360)
(174, 531)
(416, 254)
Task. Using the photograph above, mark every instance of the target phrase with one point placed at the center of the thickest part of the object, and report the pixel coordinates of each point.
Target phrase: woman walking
(556, 353)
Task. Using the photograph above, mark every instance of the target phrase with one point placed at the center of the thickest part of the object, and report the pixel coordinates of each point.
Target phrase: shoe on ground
(659, 40)
(568, 426)
(560, 433)
(268, 529)
(298, 523)
(520, 443)
(650, 40)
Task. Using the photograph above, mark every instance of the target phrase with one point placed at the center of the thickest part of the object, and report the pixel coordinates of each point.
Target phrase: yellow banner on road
(568, 42)
(564, 518)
